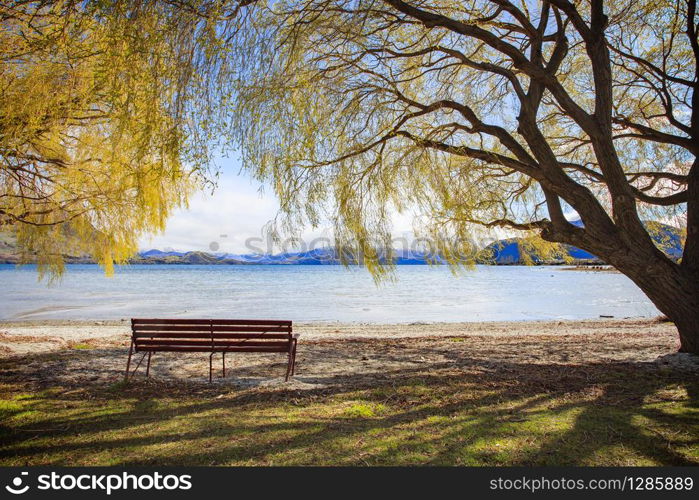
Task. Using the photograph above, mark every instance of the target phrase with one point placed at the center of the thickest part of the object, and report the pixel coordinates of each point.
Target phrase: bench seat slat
(207, 335)
(214, 328)
(215, 343)
(157, 321)
(175, 348)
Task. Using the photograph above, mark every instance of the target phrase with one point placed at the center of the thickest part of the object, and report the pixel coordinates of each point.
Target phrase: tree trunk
(673, 288)
(675, 293)
(688, 326)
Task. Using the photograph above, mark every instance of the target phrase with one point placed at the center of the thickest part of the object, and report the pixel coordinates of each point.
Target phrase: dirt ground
(80, 354)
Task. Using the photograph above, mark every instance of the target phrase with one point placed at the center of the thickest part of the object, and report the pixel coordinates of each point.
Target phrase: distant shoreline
(148, 262)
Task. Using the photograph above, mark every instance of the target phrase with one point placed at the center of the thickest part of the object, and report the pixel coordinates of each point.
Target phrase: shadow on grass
(479, 412)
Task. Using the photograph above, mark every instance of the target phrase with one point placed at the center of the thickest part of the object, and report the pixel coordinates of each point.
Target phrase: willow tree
(106, 121)
(504, 113)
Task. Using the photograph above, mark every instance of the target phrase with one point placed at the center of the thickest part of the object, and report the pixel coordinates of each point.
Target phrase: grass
(364, 410)
(595, 414)
(82, 346)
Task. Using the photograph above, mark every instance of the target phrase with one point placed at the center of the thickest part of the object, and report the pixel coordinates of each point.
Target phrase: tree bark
(688, 328)
(673, 288)
(674, 291)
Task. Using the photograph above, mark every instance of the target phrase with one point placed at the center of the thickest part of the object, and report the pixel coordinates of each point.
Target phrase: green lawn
(596, 414)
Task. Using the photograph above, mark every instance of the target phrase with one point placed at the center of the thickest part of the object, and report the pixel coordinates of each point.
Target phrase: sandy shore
(76, 353)
(80, 330)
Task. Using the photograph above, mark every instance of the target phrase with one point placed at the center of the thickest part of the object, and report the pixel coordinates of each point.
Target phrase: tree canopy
(475, 110)
(105, 123)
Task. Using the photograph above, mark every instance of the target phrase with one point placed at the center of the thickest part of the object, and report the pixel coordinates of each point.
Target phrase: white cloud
(235, 211)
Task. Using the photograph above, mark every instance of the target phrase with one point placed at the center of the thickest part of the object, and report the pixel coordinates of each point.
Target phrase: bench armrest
(295, 335)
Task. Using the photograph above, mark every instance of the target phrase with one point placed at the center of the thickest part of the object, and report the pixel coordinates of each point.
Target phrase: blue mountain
(160, 253)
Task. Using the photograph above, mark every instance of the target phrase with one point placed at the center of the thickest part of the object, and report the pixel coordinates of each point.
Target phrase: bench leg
(289, 365)
(128, 362)
(211, 368)
(148, 364)
(224, 364)
(137, 366)
(293, 361)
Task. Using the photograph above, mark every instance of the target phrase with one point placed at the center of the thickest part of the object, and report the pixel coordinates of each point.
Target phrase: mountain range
(510, 251)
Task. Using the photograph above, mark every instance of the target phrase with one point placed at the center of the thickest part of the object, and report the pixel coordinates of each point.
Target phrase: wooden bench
(212, 336)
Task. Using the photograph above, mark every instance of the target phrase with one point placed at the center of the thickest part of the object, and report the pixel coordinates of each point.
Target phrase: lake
(321, 293)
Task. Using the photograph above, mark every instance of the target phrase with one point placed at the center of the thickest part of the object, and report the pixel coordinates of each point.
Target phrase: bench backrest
(208, 335)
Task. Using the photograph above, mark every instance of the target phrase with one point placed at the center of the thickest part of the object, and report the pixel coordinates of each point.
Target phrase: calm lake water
(321, 293)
